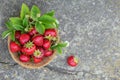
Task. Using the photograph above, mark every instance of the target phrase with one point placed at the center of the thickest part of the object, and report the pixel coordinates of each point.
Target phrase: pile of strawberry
(32, 45)
(33, 36)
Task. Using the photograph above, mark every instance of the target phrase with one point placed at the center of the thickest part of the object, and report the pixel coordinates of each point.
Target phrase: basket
(31, 65)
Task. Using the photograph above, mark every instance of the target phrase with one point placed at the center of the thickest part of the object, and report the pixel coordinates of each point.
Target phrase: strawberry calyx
(76, 60)
(30, 28)
(37, 53)
(29, 45)
(49, 37)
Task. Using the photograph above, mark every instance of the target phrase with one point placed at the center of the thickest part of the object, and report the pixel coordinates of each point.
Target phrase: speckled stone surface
(92, 28)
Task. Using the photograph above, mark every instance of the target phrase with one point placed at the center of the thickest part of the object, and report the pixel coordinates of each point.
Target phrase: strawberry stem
(76, 60)
(37, 53)
(50, 38)
(29, 45)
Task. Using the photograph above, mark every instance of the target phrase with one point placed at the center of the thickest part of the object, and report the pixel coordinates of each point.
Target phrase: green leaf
(40, 27)
(25, 22)
(57, 23)
(51, 13)
(63, 44)
(49, 26)
(59, 50)
(16, 20)
(9, 25)
(6, 33)
(35, 12)
(24, 11)
(18, 27)
(12, 35)
(54, 46)
(46, 19)
(59, 46)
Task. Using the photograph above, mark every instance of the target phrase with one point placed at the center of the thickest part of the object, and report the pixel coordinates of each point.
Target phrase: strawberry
(72, 61)
(38, 40)
(24, 58)
(48, 53)
(50, 32)
(37, 60)
(24, 38)
(14, 47)
(41, 50)
(46, 44)
(29, 48)
(17, 34)
(32, 31)
(38, 54)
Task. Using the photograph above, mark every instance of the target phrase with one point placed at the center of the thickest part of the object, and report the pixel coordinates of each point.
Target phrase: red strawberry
(14, 47)
(38, 40)
(46, 44)
(32, 31)
(17, 34)
(24, 58)
(38, 54)
(37, 60)
(41, 50)
(24, 38)
(48, 53)
(50, 32)
(29, 48)
(72, 61)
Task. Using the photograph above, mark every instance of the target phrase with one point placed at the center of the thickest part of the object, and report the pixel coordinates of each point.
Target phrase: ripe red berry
(29, 48)
(32, 31)
(38, 40)
(14, 47)
(24, 38)
(37, 60)
(24, 58)
(17, 34)
(46, 44)
(72, 61)
(41, 50)
(38, 54)
(48, 53)
(50, 32)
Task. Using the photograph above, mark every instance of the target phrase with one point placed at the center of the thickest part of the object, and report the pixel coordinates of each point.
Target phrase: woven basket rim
(31, 65)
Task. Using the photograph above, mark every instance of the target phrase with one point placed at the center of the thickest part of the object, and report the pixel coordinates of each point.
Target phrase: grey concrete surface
(92, 28)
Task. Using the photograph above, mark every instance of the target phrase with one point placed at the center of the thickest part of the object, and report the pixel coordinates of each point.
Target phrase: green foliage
(35, 12)
(24, 11)
(59, 46)
(40, 27)
(29, 18)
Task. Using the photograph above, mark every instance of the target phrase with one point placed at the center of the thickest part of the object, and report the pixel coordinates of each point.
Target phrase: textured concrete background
(91, 26)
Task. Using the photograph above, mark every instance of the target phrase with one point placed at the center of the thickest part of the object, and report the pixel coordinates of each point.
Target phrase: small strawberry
(24, 38)
(37, 60)
(38, 54)
(24, 58)
(41, 50)
(17, 34)
(48, 53)
(46, 44)
(14, 47)
(32, 31)
(72, 61)
(29, 48)
(38, 40)
(50, 32)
